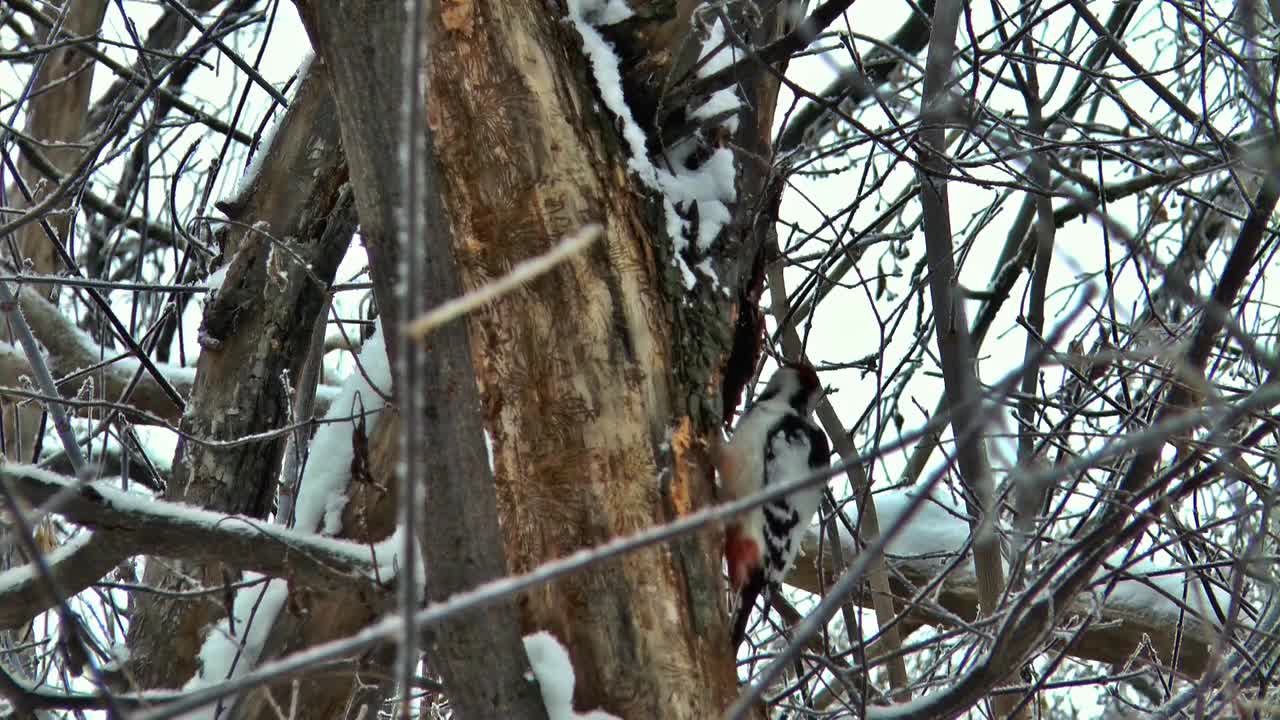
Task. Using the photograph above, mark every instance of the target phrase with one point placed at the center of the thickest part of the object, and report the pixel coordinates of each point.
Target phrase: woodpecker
(775, 441)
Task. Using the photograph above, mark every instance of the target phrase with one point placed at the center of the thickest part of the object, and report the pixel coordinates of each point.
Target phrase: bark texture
(321, 616)
(599, 380)
(446, 460)
(575, 370)
(360, 45)
(294, 224)
(458, 525)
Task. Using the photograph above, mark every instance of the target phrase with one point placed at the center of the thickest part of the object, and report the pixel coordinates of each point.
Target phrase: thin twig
(522, 273)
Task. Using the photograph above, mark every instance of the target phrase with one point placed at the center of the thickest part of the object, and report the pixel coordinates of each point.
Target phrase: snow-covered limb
(69, 349)
(73, 566)
(1147, 603)
(236, 643)
(585, 16)
(132, 524)
(21, 332)
(24, 574)
(704, 191)
(939, 531)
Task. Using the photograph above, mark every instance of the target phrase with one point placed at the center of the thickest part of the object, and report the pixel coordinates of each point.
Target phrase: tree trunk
(55, 113)
(295, 221)
(443, 437)
(322, 617)
(576, 368)
(59, 97)
(597, 380)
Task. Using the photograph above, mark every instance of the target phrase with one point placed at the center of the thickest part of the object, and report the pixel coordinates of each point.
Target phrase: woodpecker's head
(796, 385)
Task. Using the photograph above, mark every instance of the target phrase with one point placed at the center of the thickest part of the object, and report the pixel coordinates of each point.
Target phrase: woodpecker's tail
(754, 587)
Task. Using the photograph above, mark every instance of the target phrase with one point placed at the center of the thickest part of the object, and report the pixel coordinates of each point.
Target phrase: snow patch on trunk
(553, 670)
(705, 191)
(322, 494)
(234, 645)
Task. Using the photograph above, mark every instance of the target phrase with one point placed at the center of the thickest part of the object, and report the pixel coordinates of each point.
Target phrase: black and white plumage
(775, 441)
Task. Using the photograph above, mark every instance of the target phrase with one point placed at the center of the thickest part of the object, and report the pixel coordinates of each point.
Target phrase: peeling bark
(575, 369)
(598, 380)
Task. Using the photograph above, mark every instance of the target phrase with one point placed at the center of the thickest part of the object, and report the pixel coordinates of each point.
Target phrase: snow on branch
(235, 644)
(586, 15)
(696, 193)
(1149, 599)
(75, 564)
(139, 524)
(70, 350)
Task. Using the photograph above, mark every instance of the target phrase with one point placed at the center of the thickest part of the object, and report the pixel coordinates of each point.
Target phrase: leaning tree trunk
(55, 114)
(56, 106)
(255, 333)
(598, 381)
(575, 369)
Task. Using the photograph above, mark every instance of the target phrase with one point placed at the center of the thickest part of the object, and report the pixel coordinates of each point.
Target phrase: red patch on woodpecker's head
(742, 555)
(807, 376)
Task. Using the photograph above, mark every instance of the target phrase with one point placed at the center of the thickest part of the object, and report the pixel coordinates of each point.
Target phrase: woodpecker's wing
(795, 449)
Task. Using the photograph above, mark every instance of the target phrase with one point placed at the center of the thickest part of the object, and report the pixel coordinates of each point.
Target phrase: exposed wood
(458, 520)
(443, 452)
(574, 369)
(581, 372)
